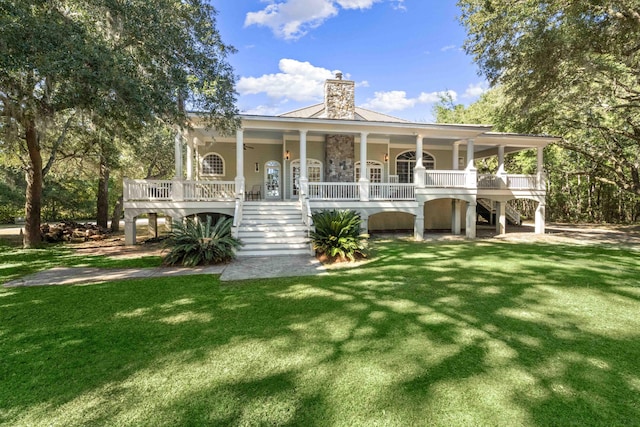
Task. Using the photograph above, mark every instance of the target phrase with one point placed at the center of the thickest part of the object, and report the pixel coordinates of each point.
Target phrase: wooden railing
(445, 179)
(334, 191)
(209, 190)
(148, 189)
(511, 181)
(391, 191)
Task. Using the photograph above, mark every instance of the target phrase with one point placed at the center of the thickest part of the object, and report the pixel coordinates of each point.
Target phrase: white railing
(209, 190)
(445, 179)
(523, 182)
(334, 191)
(391, 191)
(148, 189)
(490, 181)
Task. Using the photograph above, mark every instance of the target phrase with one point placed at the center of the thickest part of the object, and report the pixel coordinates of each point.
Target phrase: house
(276, 170)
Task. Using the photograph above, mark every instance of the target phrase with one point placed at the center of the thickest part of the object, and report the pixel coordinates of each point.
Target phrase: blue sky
(400, 53)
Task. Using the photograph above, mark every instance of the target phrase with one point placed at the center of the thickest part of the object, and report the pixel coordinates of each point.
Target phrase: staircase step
(250, 253)
(275, 240)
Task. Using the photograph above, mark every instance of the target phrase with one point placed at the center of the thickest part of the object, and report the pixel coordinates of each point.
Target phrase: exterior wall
(437, 214)
(390, 221)
(228, 153)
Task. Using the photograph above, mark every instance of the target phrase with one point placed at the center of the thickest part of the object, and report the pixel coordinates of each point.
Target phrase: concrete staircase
(272, 228)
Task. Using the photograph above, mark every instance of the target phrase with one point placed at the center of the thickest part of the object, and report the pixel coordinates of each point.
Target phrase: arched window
(375, 171)
(405, 162)
(213, 165)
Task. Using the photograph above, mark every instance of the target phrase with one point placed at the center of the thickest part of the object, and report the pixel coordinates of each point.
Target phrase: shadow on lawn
(447, 334)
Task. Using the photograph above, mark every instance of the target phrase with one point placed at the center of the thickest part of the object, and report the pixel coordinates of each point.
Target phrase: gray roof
(318, 111)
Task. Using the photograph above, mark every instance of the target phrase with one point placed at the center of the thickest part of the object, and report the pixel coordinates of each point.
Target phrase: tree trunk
(102, 215)
(117, 213)
(33, 204)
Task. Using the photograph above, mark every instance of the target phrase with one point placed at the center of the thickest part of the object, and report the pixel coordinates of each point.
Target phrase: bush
(197, 242)
(337, 235)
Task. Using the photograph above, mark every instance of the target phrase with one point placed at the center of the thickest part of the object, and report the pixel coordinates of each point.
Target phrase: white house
(276, 170)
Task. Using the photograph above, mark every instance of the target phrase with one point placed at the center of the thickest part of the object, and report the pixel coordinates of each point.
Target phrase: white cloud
(475, 90)
(292, 19)
(264, 110)
(396, 100)
(298, 81)
(448, 47)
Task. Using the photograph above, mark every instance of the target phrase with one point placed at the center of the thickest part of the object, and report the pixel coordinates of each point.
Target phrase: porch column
(501, 220)
(540, 168)
(540, 222)
(178, 154)
(153, 225)
(418, 226)
(130, 231)
(470, 169)
(190, 159)
(364, 170)
(304, 180)
(501, 173)
(455, 217)
(239, 164)
(455, 156)
(471, 220)
(418, 172)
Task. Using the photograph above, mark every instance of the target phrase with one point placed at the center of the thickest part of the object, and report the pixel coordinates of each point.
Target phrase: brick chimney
(339, 98)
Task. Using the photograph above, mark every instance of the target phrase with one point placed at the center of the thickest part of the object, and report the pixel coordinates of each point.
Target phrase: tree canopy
(567, 68)
(118, 64)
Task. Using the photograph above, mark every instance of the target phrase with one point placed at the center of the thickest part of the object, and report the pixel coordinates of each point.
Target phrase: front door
(272, 180)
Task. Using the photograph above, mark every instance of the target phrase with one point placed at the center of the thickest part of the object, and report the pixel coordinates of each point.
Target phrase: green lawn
(426, 334)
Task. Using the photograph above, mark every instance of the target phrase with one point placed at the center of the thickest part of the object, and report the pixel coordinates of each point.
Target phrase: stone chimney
(339, 98)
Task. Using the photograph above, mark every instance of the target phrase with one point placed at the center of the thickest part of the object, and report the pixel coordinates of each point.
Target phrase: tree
(567, 68)
(125, 63)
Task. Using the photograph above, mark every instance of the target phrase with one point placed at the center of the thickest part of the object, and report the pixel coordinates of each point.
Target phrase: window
(375, 171)
(405, 162)
(212, 164)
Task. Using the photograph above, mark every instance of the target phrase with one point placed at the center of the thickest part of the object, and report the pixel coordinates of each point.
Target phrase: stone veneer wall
(339, 99)
(339, 158)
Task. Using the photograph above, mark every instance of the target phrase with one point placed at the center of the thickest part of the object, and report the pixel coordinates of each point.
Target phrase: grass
(440, 334)
(16, 262)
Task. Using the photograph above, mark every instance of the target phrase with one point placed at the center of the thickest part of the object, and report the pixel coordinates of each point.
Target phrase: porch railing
(334, 191)
(391, 191)
(511, 181)
(148, 189)
(445, 179)
(209, 190)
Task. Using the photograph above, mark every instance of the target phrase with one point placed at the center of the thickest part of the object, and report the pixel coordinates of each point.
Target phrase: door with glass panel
(272, 180)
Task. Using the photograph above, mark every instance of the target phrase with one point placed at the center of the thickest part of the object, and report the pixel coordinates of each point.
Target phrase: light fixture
(287, 155)
(257, 167)
(386, 157)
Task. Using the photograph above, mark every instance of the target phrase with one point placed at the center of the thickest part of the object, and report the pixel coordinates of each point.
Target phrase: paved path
(240, 269)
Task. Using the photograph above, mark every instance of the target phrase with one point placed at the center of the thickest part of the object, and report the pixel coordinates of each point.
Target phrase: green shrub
(197, 242)
(337, 235)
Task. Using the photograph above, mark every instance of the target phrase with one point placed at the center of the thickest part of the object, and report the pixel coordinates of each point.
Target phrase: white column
(152, 225)
(455, 156)
(240, 163)
(178, 154)
(190, 160)
(540, 168)
(303, 163)
(455, 217)
(471, 220)
(500, 159)
(501, 220)
(470, 154)
(470, 169)
(418, 226)
(418, 172)
(364, 170)
(540, 221)
(130, 231)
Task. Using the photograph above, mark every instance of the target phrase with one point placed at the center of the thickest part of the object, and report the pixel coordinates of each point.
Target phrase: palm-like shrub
(337, 235)
(197, 242)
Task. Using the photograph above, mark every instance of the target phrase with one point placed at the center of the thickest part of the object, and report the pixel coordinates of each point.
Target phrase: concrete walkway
(240, 269)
